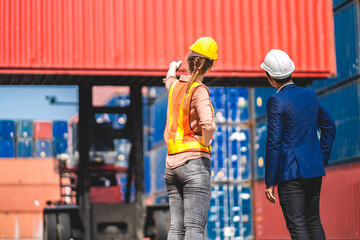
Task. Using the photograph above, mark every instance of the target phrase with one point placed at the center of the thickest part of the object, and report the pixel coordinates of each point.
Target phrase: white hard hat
(278, 64)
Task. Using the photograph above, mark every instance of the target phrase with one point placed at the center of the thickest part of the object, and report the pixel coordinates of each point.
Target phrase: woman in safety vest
(188, 135)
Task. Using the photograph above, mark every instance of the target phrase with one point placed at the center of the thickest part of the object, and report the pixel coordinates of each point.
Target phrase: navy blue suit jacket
(293, 148)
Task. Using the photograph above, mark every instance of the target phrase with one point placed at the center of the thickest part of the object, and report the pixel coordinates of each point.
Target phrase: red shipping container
(339, 206)
(15, 171)
(27, 198)
(340, 202)
(268, 217)
(110, 194)
(42, 130)
(141, 37)
(19, 225)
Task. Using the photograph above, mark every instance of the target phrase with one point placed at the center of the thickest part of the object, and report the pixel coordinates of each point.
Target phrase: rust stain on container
(141, 37)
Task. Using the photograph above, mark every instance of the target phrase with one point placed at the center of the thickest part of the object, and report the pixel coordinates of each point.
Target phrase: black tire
(161, 225)
(64, 226)
(50, 226)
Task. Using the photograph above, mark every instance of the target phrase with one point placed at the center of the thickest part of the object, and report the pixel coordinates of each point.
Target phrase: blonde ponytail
(195, 73)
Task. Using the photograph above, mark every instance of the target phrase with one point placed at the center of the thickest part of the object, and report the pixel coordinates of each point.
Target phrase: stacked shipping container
(30, 179)
(7, 134)
(26, 139)
(156, 150)
(24, 144)
(60, 137)
(341, 98)
(117, 151)
(35, 182)
(230, 215)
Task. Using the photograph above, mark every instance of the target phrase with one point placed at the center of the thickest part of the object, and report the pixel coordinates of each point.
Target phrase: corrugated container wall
(339, 204)
(157, 161)
(260, 149)
(141, 37)
(261, 96)
(158, 119)
(339, 3)
(25, 186)
(343, 105)
(346, 20)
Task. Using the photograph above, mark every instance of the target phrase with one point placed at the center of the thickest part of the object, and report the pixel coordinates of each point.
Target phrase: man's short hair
(284, 80)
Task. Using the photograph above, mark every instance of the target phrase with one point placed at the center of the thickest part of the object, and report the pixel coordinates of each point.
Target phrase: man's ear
(274, 83)
(271, 81)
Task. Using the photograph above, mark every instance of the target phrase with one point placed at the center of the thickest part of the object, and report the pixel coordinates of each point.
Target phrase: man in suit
(295, 156)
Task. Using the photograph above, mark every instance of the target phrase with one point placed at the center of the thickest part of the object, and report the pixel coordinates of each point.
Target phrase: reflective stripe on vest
(180, 136)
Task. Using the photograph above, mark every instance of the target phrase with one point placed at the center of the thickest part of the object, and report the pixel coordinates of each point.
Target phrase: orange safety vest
(178, 135)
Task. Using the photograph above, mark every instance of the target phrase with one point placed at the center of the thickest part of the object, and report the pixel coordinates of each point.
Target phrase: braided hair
(197, 66)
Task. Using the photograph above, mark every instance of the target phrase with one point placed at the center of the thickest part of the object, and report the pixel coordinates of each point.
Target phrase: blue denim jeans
(189, 190)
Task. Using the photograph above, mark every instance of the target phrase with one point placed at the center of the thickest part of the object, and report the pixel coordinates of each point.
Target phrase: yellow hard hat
(206, 46)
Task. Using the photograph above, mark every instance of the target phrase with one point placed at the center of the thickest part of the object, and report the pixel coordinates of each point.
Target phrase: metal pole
(252, 126)
(136, 112)
(83, 198)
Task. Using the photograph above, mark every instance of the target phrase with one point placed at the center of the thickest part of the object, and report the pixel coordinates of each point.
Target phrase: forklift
(84, 211)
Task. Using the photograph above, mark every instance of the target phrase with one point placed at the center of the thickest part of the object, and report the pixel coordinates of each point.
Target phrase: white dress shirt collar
(284, 86)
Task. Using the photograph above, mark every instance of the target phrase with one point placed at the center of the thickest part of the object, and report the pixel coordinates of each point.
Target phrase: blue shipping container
(119, 121)
(24, 129)
(240, 212)
(60, 129)
(218, 97)
(337, 3)
(343, 105)
(119, 101)
(260, 149)
(146, 113)
(229, 215)
(59, 146)
(158, 119)
(147, 173)
(122, 180)
(347, 40)
(239, 154)
(261, 96)
(43, 148)
(7, 129)
(155, 92)
(7, 149)
(237, 105)
(158, 164)
(123, 148)
(219, 159)
(24, 148)
(346, 43)
(218, 216)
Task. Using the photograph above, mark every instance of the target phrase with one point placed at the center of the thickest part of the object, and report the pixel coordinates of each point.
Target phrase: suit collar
(286, 86)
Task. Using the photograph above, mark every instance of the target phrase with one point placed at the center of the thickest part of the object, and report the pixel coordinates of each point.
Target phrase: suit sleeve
(274, 137)
(328, 129)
